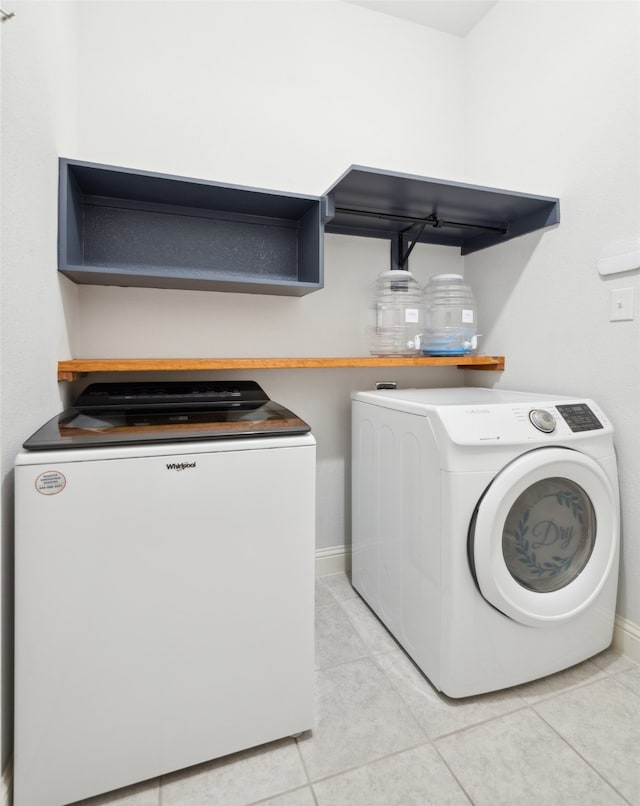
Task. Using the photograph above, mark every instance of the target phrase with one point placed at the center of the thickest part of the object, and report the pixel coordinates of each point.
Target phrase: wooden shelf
(75, 368)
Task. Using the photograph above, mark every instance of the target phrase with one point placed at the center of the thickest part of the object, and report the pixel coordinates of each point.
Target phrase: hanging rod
(432, 219)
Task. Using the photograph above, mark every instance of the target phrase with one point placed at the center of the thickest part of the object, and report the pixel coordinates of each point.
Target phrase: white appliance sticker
(51, 482)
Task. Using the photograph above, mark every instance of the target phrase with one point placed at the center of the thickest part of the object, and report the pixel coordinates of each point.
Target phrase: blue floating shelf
(119, 226)
(381, 204)
(133, 228)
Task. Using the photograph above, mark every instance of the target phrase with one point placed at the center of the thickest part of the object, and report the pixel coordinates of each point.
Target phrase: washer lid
(544, 536)
(142, 413)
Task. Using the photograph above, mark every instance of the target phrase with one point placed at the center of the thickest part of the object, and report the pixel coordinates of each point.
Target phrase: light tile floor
(385, 737)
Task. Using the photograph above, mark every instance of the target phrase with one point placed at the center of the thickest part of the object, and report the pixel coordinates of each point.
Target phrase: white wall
(287, 95)
(39, 120)
(273, 94)
(276, 95)
(553, 107)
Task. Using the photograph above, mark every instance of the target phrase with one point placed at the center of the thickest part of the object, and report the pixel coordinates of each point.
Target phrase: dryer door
(544, 536)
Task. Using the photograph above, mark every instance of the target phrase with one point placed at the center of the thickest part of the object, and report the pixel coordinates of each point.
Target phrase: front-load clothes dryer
(486, 530)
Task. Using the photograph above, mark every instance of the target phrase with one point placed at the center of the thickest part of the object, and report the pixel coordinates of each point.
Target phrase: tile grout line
(432, 741)
(580, 685)
(530, 708)
(390, 681)
(622, 683)
(306, 771)
(487, 721)
(586, 761)
(365, 764)
(526, 705)
(454, 776)
(269, 798)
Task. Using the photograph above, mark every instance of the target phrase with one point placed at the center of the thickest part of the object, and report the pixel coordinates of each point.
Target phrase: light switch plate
(620, 304)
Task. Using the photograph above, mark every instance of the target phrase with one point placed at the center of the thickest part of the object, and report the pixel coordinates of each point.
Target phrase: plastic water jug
(450, 316)
(398, 315)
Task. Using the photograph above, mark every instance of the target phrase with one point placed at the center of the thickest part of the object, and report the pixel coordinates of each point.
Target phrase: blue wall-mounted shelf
(406, 209)
(134, 228)
(119, 226)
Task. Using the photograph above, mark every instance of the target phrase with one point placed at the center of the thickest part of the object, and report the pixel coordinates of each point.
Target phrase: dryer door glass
(543, 541)
(549, 534)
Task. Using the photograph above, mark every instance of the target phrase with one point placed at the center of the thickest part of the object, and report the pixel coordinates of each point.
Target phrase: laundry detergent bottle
(450, 317)
(397, 313)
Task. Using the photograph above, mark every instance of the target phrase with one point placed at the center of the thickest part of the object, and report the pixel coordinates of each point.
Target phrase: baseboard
(626, 638)
(332, 560)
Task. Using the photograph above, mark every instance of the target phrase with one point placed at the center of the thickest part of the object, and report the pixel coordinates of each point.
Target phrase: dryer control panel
(473, 417)
(548, 422)
(579, 417)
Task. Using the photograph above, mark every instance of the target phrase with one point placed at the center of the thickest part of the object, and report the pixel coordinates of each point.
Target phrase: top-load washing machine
(486, 530)
(164, 568)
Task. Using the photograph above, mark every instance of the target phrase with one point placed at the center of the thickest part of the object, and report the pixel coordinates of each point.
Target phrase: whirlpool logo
(180, 465)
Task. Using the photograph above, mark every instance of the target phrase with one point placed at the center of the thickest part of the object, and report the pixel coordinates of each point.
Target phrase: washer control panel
(578, 416)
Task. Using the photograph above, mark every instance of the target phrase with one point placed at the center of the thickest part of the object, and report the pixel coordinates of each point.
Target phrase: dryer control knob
(543, 420)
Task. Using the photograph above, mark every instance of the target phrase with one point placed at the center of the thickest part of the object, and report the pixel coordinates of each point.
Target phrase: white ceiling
(451, 16)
